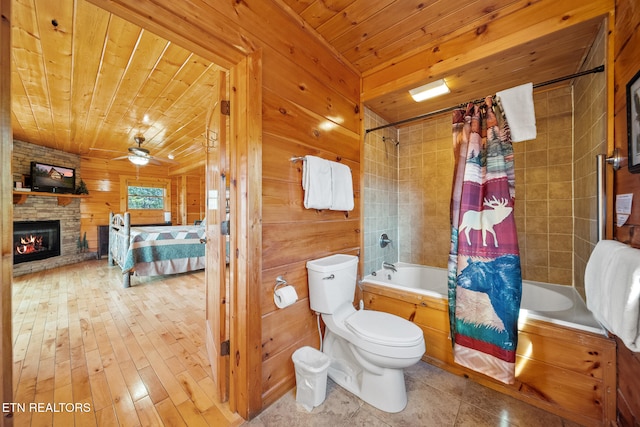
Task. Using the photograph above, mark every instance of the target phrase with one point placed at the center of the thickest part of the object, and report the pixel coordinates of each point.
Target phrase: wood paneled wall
(305, 111)
(102, 178)
(627, 64)
(188, 198)
(6, 212)
(628, 393)
(310, 104)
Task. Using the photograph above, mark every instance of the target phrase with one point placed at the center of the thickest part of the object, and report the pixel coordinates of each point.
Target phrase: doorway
(243, 72)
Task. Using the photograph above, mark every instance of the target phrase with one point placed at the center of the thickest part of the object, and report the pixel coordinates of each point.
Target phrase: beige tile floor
(436, 398)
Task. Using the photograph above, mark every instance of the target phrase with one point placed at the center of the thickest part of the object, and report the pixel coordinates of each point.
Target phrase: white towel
(612, 288)
(341, 187)
(517, 103)
(316, 182)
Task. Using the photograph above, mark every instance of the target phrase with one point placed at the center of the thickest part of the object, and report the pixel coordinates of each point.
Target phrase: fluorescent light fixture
(138, 160)
(430, 90)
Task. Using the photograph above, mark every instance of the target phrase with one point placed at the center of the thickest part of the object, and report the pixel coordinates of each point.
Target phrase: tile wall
(544, 190)
(590, 93)
(426, 174)
(380, 194)
(555, 184)
(543, 207)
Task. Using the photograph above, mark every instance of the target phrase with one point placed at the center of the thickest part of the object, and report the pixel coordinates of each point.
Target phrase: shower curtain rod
(598, 69)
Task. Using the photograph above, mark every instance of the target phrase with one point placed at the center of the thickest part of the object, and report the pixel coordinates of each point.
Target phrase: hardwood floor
(88, 352)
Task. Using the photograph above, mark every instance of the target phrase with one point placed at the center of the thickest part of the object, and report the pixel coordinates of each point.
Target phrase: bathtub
(566, 363)
(557, 304)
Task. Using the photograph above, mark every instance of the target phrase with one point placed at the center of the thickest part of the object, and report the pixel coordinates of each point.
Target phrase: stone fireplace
(38, 208)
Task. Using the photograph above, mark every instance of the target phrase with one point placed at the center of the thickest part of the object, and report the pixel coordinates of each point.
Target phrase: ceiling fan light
(430, 90)
(138, 160)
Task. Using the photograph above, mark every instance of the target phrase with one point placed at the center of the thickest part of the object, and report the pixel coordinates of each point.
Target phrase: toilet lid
(384, 328)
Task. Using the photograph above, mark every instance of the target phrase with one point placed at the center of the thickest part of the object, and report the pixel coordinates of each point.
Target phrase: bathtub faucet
(389, 266)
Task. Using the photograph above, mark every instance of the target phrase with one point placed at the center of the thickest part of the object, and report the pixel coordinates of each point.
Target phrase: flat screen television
(52, 178)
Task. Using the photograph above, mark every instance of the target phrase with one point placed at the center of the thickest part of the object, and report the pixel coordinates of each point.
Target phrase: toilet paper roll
(285, 296)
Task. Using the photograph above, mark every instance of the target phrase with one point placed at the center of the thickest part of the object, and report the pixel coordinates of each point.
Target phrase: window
(139, 197)
(145, 194)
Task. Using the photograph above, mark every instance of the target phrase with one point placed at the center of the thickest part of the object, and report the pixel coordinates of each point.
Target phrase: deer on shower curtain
(484, 278)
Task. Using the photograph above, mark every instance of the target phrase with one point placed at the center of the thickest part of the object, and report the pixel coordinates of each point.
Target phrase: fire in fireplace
(35, 240)
(30, 244)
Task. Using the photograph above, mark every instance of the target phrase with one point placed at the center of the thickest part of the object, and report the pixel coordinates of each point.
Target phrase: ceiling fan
(140, 156)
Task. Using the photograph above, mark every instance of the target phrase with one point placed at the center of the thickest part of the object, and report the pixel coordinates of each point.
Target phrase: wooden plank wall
(6, 212)
(627, 64)
(310, 105)
(628, 393)
(188, 198)
(312, 108)
(102, 178)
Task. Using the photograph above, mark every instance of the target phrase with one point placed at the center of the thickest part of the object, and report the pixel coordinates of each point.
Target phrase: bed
(154, 250)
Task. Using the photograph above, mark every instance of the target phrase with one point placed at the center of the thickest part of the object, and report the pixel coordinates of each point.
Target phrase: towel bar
(601, 197)
(297, 159)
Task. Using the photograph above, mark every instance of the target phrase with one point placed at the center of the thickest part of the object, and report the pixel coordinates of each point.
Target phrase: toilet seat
(384, 329)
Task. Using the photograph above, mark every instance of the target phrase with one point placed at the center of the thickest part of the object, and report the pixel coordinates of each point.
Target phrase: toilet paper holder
(286, 294)
(279, 282)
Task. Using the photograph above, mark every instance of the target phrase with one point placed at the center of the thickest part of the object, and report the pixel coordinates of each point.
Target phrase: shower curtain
(484, 280)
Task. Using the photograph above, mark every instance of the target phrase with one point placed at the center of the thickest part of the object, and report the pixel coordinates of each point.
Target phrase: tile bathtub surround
(590, 139)
(380, 194)
(436, 398)
(425, 179)
(544, 191)
(555, 183)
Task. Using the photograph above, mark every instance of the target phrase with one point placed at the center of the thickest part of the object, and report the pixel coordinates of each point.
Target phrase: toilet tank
(332, 282)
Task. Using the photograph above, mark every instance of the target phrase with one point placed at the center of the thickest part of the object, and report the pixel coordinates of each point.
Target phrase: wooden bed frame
(119, 235)
(120, 241)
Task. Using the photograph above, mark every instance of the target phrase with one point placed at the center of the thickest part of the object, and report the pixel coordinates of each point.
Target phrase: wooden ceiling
(87, 82)
(378, 35)
(538, 61)
(371, 33)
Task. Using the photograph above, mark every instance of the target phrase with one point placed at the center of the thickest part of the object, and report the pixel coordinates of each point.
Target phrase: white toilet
(368, 349)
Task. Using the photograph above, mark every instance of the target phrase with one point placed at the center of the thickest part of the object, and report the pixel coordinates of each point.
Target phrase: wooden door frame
(245, 173)
(245, 177)
(6, 209)
(217, 305)
(610, 111)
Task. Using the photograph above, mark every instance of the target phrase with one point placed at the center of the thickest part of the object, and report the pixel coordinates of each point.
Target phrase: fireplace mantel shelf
(19, 197)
